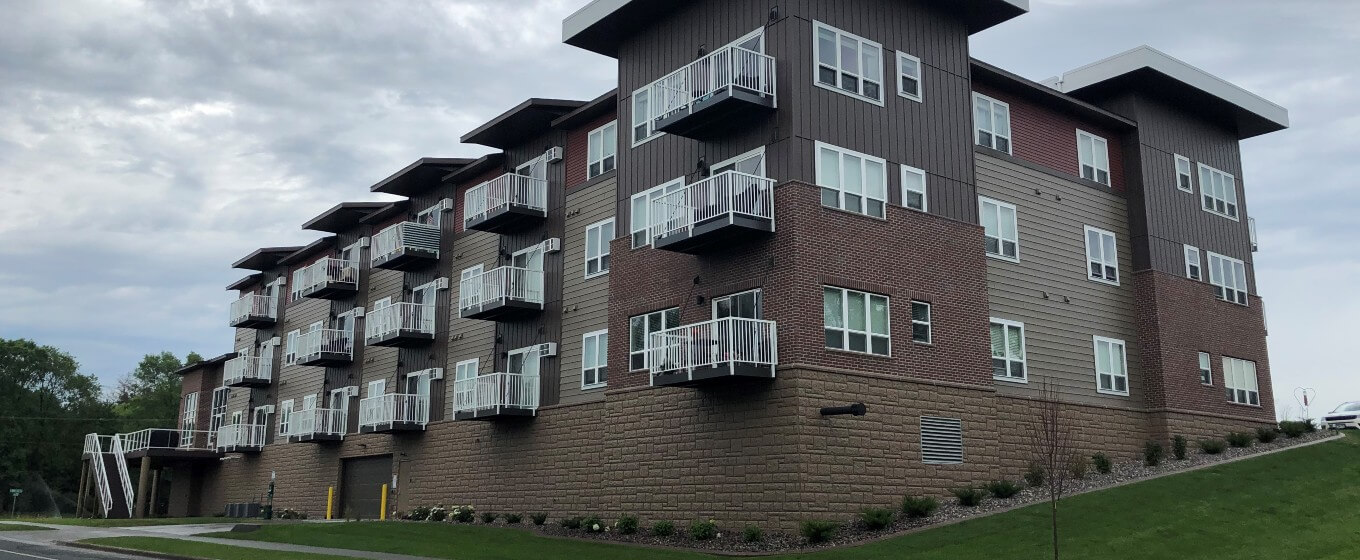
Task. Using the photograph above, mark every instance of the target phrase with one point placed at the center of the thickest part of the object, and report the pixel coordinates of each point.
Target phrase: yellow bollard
(382, 514)
(330, 501)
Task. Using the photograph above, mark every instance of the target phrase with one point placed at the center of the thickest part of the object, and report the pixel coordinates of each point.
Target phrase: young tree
(1050, 442)
(149, 395)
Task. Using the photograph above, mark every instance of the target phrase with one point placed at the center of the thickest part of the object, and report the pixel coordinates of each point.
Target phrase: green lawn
(7, 526)
(83, 522)
(1266, 508)
(207, 551)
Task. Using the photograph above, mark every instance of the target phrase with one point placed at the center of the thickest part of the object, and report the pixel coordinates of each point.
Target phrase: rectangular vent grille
(941, 441)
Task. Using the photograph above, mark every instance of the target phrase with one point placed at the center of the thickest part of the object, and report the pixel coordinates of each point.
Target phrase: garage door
(361, 486)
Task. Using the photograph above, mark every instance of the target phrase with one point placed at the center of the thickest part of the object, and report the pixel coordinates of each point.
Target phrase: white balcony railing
(319, 421)
(406, 235)
(254, 305)
(494, 391)
(727, 69)
(389, 319)
(325, 272)
(248, 368)
(394, 408)
(724, 342)
(166, 438)
(727, 193)
(500, 284)
(314, 344)
(502, 192)
(241, 435)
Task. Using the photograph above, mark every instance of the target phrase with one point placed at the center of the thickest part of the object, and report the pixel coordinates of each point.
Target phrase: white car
(1345, 416)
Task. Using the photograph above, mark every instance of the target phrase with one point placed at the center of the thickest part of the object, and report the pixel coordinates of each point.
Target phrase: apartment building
(644, 303)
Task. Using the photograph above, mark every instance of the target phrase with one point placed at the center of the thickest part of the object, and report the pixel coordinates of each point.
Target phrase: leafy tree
(149, 396)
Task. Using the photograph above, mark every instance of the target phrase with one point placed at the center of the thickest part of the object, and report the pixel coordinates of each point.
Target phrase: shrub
(539, 518)
(701, 530)
(1034, 476)
(572, 522)
(593, 524)
(969, 496)
(1309, 426)
(1003, 489)
(626, 525)
(1077, 467)
(1178, 448)
(1153, 454)
(513, 518)
(419, 513)
(1266, 435)
(1292, 428)
(1102, 463)
(752, 534)
(1212, 446)
(818, 531)
(292, 514)
(1240, 439)
(876, 518)
(919, 508)
(663, 529)
(462, 514)
(438, 513)
(488, 517)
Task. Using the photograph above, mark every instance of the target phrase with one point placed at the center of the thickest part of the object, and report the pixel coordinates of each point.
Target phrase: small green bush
(818, 531)
(513, 518)
(919, 508)
(462, 514)
(438, 513)
(1241, 439)
(488, 517)
(1102, 463)
(1002, 489)
(1212, 446)
(539, 518)
(287, 513)
(572, 522)
(701, 530)
(1178, 448)
(1034, 475)
(1077, 467)
(1309, 426)
(876, 518)
(1153, 454)
(1292, 428)
(419, 513)
(593, 524)
(752, 534)
(626, 525)
(663, 529)
(969, 496)
(1266, 435)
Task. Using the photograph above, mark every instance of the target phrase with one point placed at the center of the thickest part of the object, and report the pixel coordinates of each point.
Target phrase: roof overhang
(419, 176)
(311, 249)
(996, 77)
(246, 282)
(205, 363)
(606, 104)
(382, 214)
(602, 24)
(489, 162)
(1151, 71)
(264, 258)
(342, 217)
(526, 120)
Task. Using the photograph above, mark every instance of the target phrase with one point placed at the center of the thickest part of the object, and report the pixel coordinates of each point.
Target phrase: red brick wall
(578, 150)
(1048, 137)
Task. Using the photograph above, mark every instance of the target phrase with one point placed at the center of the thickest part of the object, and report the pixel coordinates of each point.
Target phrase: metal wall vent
(941, 441)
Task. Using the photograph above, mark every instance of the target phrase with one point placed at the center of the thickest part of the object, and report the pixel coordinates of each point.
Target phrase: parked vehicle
(1345, 416)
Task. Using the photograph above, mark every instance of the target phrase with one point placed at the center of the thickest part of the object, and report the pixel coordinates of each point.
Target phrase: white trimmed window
(1239, 379)
(1193, 268)
(642, 116)
(1206, 369)
(1094, 155)
(286, 417)
(1102, 257)
(641, 219)
(999, 227)
(594, 359)
(1185, 175)
(432, 215)
(913, 188)
(909, 76)
(1218, 191)
(602, 146)
(189, 413)
(1008, 350)
(1229, 277)
(1112, 368)
(992, 123)
(848, 63)
(290, 353)
(920, 322)
(852, 181)
(640, 326)
(856, 321)
(597, 247)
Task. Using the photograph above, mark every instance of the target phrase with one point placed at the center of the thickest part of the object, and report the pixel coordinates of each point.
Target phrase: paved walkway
(70, 533)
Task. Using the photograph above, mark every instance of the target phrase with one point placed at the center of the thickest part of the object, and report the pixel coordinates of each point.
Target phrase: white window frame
(862, 46)
(1197, 272)
(647, 120)
(1218, 264)
(868, 333)
(646, 319)
(290, 354)
(286, 417)
(908, 170)
(1099, 257)
(1210, 192)
(602, 258)
(742, 157)
(881, 196)
(377, 388)
(599, 154)
(1023, 360)
(646, 197)
(905, 61)
(435, 213)
(1000, 235)
(1189, 174)
(1097, 148)
(991, 127)
(1206, 369)
(1240, 388)
(598, 369)
(1106, 369)
(188, 420)
(929, 322)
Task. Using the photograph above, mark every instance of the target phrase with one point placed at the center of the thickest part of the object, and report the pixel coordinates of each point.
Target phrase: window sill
(1113, 393)
(1220, 214)
(1103, 281)
(1017, 381)
(858, 214)
(654, 136)
(1248, 405)
(594, 386)
(596, 275)
(887, 356)
(927, 343)
(864, 98)
(1003, 258)
(904, 95)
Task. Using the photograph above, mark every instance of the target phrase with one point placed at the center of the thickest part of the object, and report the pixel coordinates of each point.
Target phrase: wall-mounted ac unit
(352, 391)
(441, 283)
(446, 204)
(273, 341)
(435, 373)
(363, 242)
(553, 155)
(552, 245)
(356, 312)
(547, 350)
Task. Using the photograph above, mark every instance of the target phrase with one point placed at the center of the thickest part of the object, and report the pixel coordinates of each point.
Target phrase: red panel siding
(577, 150)
(1048, 137)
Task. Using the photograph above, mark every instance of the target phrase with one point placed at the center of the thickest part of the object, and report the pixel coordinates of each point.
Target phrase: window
(920, 322)
(1192, 266)
(464, 386)
(1185, 178)
(295, 287)
(1206, 369)
(1094, 154)
(745, 305)
(1008, 350)
(597, 247)
(595, 359)
(642, 116)
(852, 181)
(998, 223)
(1239, 379)
(941, 441)
(1112, 370)
(641, 219)
(640, 326)
(189, 413)
(217, 415)
(848, 64)
(1219, 191)
(430, 216)
(1102, 258)
(913, 188)
(992, 123)
(377, 388)
(908, 76)
(290, 354)
(1229, 277)
(285, 417)
(602, 150)
(856, 321)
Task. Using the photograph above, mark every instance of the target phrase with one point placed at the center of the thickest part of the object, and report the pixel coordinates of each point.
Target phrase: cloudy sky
(144, 146)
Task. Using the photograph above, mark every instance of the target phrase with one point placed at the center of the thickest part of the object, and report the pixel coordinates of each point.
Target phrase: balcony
(713, 214)
(318, 425)
(714, 95)
(248, 371)
(704, 352)
(394, 412)
(241, 438)
(495, 395)
(170, 442)
(501, 294)
(506, 204)
(254, 312)
(328, 278)
(406, 246)
(326, 347)
(400, 324)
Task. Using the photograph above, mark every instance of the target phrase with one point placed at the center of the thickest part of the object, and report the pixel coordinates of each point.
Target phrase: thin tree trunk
(1055, 529)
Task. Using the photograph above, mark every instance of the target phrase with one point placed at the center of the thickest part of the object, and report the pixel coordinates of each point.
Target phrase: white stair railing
(402, 236)
(723, 342)
(727, 193)
(253, 305)
(326, 271)
(116, 448)
(501, 284)
(502, 192)
(725, 69)
(314, 343)
(393, 408)
(95, 452)
(389, 319)
(496, 390)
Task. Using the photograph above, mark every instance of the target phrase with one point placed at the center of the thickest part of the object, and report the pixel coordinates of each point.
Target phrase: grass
(1288, 505)
(207, 551)
(84, 522)
(7, 526)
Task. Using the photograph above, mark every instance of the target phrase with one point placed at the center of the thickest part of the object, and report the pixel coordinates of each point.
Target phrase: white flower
(595, 527)
(720, 535)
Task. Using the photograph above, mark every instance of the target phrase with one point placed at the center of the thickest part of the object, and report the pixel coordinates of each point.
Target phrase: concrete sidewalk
(64, 534)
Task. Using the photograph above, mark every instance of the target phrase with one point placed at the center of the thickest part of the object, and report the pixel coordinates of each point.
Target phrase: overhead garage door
(361, 486)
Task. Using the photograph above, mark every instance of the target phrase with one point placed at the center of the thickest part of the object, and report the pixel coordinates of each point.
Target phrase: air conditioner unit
(553, 155)
(357, 312)
(441, 283)
(352, 391)
(446, 204)
(436, 373)
(363, 242)
(273, 341)
(547, 350)
(552, 245)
